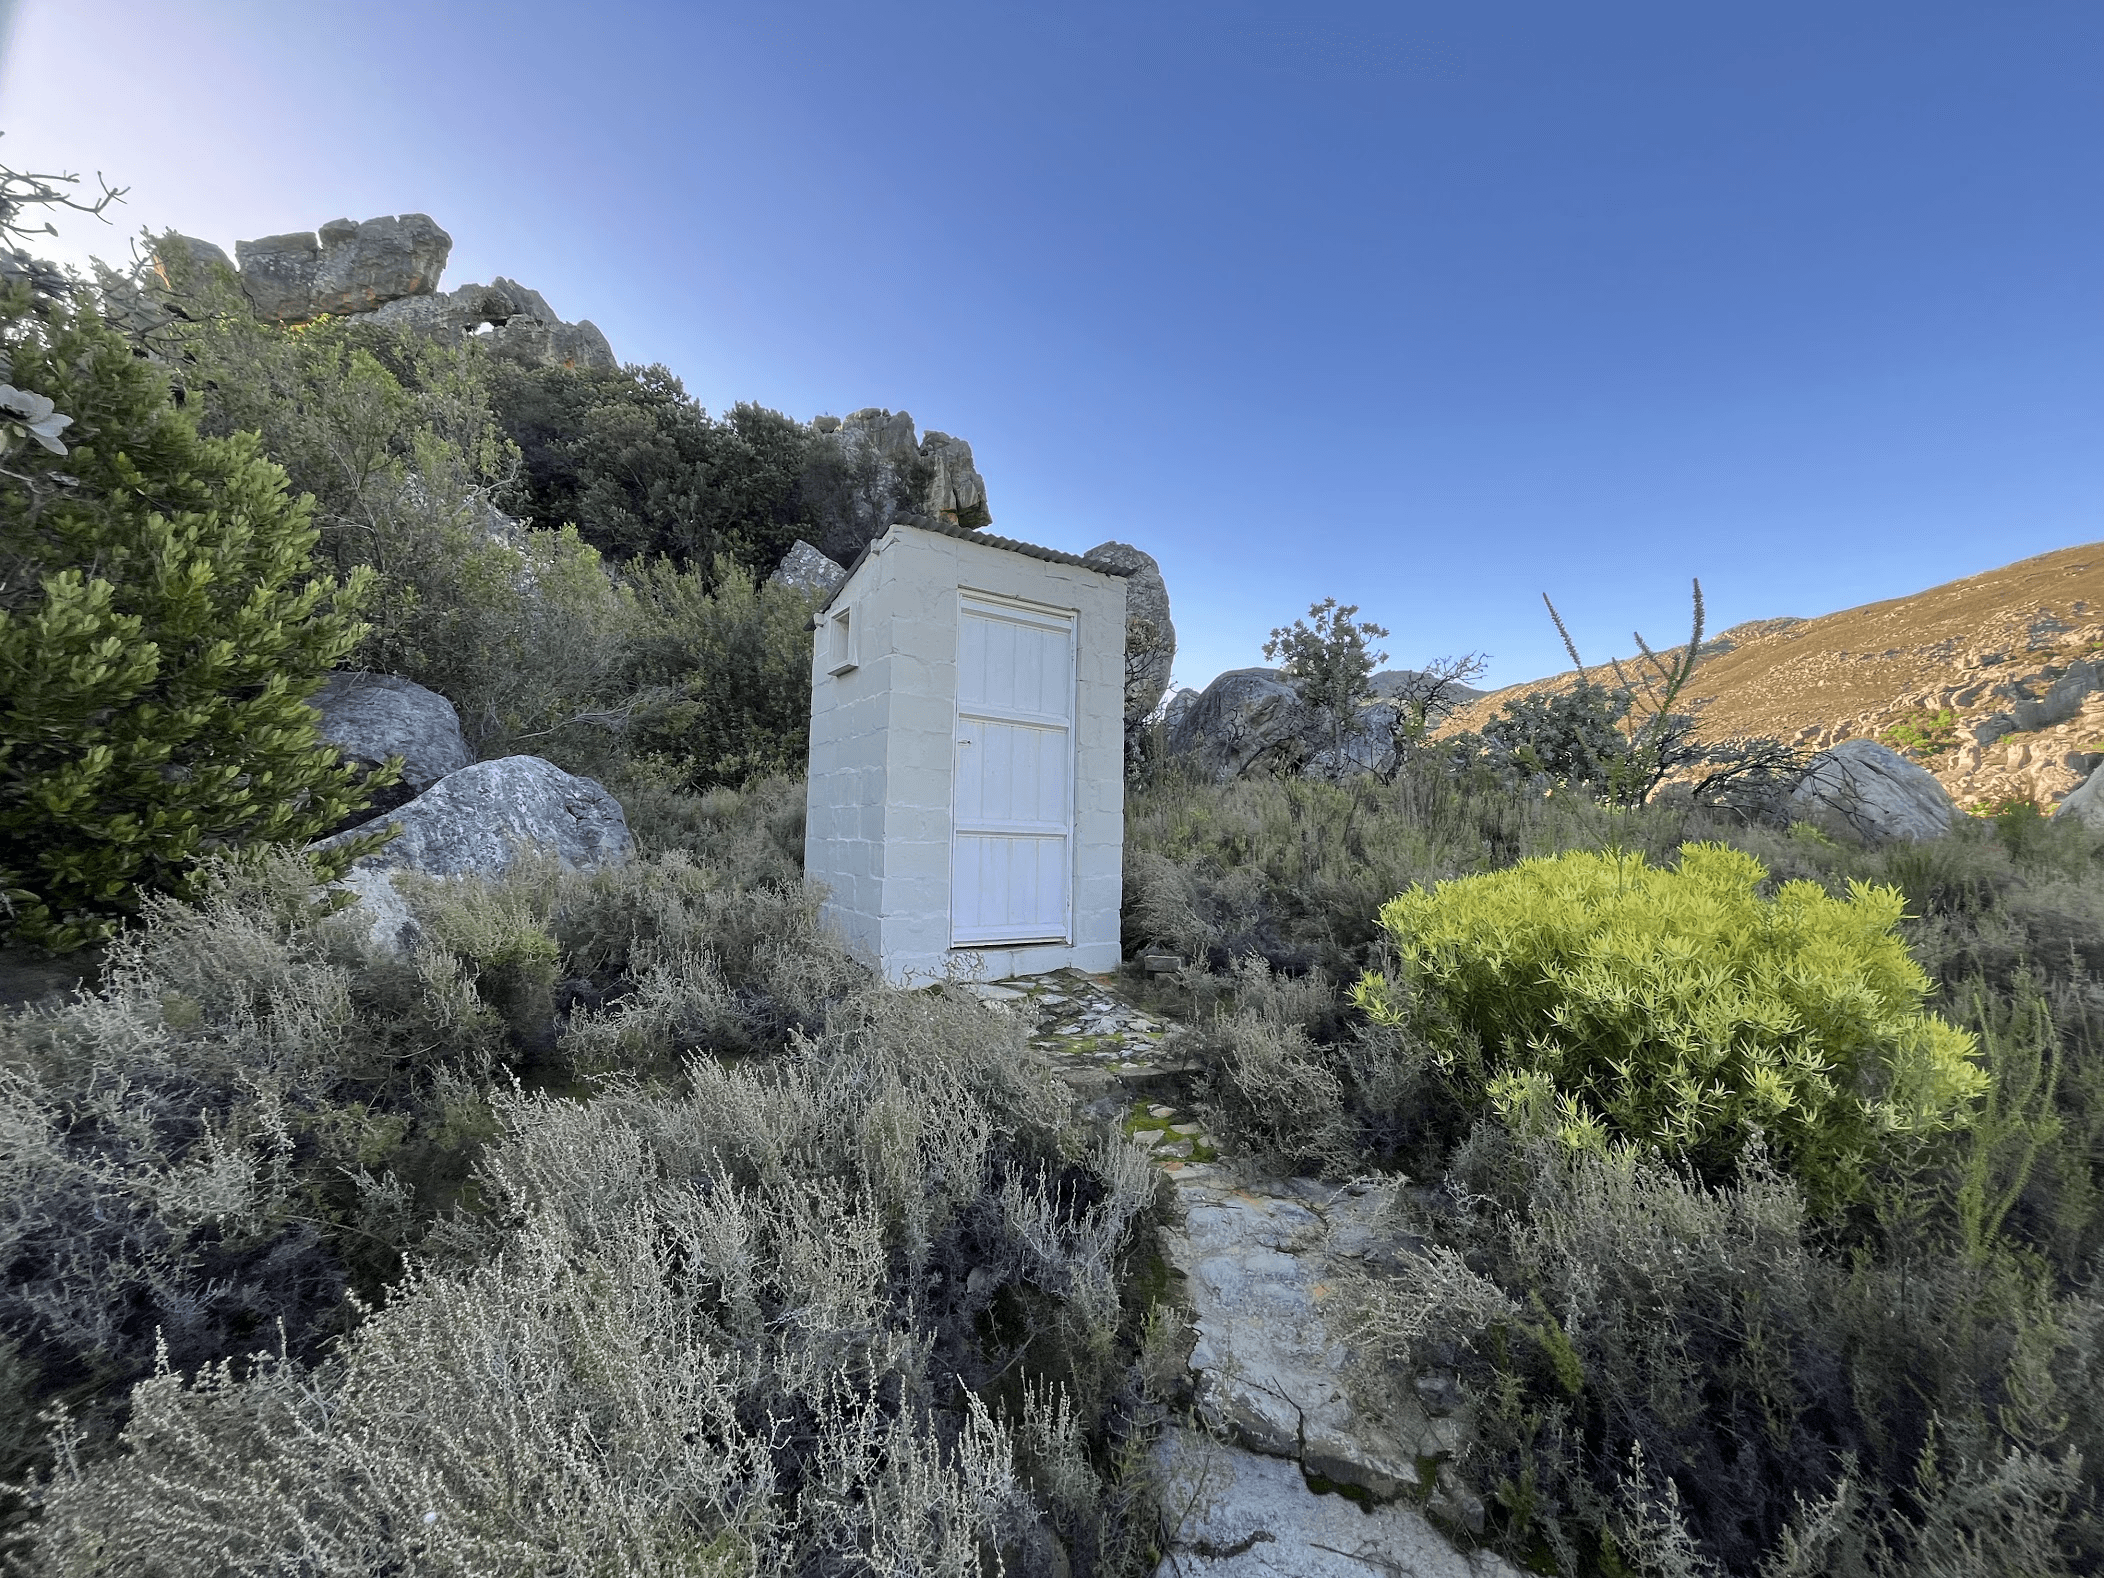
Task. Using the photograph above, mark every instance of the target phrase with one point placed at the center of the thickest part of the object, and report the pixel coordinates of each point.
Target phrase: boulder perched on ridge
(956, 492)
(346, 267)
(1874, 792)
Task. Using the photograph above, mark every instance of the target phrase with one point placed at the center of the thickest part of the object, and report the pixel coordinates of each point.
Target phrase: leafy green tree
(1572, 736)
(642, 470)
(1605, 1000)
(1330, 660)
(162, 624)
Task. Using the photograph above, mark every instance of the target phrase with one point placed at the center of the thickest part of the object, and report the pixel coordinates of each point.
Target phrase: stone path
(1279, 1475)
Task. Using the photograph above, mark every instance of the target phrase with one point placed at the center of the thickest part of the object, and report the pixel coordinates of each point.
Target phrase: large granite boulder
(1874, 792)
(347, 267)
(1150, 637)
(370, 717)
(1243, 716)
(475, 822)
(805, 569)
(178, 258)
(956, 492)
(886, 434)
(2085, 802)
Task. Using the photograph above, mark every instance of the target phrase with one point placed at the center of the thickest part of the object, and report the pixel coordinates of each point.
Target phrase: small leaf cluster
(1613, 1002)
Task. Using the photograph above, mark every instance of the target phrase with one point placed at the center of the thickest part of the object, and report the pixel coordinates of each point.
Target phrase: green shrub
(1572, 736)
(1607, 999)
(162, 624)
(729, 658)
(1924, 735)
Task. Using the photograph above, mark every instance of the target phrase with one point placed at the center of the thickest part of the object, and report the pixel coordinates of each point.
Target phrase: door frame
(1043, 616)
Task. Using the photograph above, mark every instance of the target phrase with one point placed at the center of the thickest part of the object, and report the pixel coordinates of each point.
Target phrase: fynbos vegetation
(1741, 1180)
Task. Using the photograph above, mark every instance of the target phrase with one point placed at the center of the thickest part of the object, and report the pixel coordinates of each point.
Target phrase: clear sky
(1430, 307)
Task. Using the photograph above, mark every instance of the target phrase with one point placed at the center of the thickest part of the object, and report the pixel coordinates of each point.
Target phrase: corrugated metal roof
(1029, 550)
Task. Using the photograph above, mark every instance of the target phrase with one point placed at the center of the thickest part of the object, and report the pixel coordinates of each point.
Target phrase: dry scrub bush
(703, 1328)
(1295, 871)
(1664, 1375)
(765, 1302)
(1607, 1310)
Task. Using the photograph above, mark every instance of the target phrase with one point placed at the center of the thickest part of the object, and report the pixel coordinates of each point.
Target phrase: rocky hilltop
(865, 470)
(1995, 683)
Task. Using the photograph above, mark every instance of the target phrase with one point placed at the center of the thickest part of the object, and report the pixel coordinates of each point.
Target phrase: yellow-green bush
(1611, 1000)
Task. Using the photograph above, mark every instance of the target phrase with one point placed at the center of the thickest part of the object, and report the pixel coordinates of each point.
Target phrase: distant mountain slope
(2014, 657)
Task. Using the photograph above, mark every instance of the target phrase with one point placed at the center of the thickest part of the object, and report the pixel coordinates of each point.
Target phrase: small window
(840, 643)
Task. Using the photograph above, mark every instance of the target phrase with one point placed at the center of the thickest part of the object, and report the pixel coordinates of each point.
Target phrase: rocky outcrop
(2086, 802)
(868, 470)
(1875, 793)
(387, 271)
(475, 822)
(517, 321)
(346, 267)
(955, 491)
(1150, 636)
(807, 570)
(370, 717)
(178, 257)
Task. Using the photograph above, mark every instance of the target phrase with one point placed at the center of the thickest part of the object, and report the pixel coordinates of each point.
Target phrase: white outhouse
(967, 785)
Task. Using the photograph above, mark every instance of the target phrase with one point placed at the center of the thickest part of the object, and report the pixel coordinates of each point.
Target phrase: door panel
(1012, 774)
(1011, 854)
(1009, 888)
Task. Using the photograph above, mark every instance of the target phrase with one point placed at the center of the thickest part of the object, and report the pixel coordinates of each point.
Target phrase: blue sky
(1430, 307)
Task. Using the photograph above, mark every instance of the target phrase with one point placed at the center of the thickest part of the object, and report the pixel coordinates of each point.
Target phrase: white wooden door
(1012, 813)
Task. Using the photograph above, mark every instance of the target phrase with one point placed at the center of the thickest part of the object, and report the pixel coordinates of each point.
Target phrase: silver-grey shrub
(750, 1316)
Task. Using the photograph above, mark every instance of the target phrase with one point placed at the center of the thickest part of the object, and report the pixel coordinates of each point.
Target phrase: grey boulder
(805, 569)
(1150, 636)
(475, 822)
(370, 717)
(956, 492)
(2085, 802)
(348, 267)
(1241, 717)
(887, 434)
(179, 258)
(518, 321)
(1874, 792)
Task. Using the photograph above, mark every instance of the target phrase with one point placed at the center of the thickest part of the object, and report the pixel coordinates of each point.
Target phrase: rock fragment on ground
(1232, 1513)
